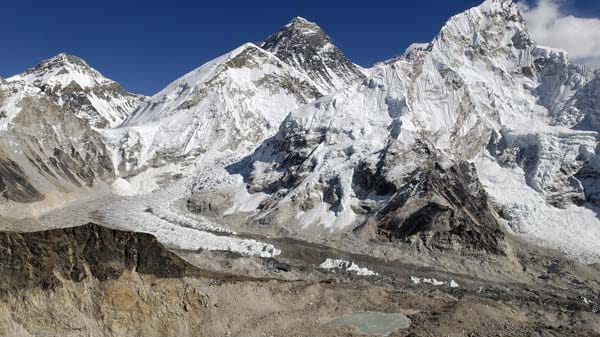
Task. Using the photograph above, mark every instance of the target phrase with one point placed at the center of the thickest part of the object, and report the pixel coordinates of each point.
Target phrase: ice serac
(230, 103)
(71, 83)
(586, 104)
(483, 92)
(303, 45)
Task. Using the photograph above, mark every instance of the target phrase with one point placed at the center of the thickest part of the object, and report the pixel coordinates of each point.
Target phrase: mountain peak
(484, 30)
(65, 58)
(65, 62)
(299, 19)
(489, 13)
(62, 70)
(501, 3)
(73, 83)
(305, 46)
(508, 8)
(304, 26)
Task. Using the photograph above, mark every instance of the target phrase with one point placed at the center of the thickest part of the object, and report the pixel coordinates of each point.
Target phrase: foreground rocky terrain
(93, 281)
(279, 187)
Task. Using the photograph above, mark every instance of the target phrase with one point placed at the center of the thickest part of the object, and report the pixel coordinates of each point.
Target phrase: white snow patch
(245, 202)
(121, 187)
(433, 281)
(416, 46)
(346, 265)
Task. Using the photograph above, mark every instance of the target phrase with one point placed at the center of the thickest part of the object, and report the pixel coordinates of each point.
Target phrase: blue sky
(147, 44)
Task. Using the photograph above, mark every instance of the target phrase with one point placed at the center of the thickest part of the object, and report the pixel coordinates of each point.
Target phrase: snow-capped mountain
(51, 149)
(233, 101)
(236, 100)
(481, 92)
(305, 46)
(72, 83)
(68, 127)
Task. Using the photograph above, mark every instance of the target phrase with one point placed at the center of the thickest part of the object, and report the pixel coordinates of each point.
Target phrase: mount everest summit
(455, 145)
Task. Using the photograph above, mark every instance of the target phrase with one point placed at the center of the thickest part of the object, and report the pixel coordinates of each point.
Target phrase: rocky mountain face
(585, 103)
(305, 46)
(14, 184)
(441, 208)
(50, 143)
(49, 150)
(77, 254)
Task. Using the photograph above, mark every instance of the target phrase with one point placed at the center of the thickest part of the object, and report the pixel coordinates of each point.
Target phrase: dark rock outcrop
(14, 184)
(441, 208)
(46, 259)
(96, 282)
(303, 45)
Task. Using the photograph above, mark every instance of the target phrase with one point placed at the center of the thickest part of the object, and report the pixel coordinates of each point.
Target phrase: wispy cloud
(551, 26)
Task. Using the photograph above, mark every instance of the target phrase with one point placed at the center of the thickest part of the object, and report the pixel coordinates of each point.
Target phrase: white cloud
(550, 26)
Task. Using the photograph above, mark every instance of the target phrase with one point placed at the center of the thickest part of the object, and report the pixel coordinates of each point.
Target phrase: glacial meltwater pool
(374, 323)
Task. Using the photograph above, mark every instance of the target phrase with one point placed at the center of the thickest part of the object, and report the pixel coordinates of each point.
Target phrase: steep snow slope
(303, 45)
(481, 90)
(71, 83)
(230, 103)
(235, 101)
